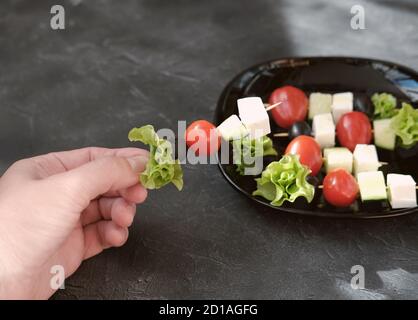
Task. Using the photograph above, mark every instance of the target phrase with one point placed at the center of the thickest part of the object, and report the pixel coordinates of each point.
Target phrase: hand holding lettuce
(161, 168)
(284, 180)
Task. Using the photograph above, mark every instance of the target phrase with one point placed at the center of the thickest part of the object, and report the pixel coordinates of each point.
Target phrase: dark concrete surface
(120, 64)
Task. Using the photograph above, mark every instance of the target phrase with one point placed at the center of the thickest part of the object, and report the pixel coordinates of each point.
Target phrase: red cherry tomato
(354, 128)
(202, 136)
(294, 106)
(309, 152)
(340, 188)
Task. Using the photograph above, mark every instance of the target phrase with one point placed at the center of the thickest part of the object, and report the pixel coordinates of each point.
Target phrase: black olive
(299, 129)
(313, 180)
(364, 104)
(407, 152)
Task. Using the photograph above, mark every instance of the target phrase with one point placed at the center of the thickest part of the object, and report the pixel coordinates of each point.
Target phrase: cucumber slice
(384, 135)
(372, 186)
(319, 103)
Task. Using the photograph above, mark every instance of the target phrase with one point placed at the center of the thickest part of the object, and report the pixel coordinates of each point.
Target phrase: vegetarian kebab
(352, 168)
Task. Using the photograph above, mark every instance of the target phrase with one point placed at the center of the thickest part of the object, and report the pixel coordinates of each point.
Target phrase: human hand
(62, 208)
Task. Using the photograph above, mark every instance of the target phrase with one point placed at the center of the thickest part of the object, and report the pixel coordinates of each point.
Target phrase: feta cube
(254, 116)
(323, 129)
(402, 192)
(365, 158)
(232, 128)
(372, 185)
(319, 103)
(338, 158)
(342, 103)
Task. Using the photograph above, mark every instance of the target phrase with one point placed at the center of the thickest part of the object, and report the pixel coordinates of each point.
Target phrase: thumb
(100, 176)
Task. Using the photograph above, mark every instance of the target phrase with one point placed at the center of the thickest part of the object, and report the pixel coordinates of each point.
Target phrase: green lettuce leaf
(285, 180)
(405, 124)
(246, 148)
(161, 168)
(384, 105)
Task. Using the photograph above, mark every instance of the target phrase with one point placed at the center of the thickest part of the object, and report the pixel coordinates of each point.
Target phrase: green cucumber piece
(384, 135)
(319, 103)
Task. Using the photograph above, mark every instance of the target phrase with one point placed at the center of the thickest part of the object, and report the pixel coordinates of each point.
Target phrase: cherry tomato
(294, 106)
(202, 136)
(309, 152)
(354, 128)
(340, 188)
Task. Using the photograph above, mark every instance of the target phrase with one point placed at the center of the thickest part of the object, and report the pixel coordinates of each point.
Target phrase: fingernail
(138, 163)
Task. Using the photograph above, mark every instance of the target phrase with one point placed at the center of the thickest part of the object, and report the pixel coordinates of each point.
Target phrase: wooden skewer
(382, 163)
(284, 134)
(281, 134)
(322, 187)
(272, 106)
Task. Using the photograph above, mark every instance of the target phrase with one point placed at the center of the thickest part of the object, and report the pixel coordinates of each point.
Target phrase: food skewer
(321, 187)
(341, 189)
(382, 163)
(284, 134)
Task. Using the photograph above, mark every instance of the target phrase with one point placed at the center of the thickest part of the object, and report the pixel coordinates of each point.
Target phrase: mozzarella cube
(365, 158)
(323, 129)
(342, 103)
(319, 103)
(338, 158)
(232, 128)
(372, 185)
(254, 116)
(402, 192)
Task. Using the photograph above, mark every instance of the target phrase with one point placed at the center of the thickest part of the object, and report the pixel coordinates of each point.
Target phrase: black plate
(361, 76)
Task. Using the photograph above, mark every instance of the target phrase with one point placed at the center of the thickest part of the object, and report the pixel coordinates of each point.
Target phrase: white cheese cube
(232, 128)
(319, 103)
(372, 185)
(323, 129)
(365, 158)
(254, 116)
(338, 158)
(402, 192)
(342, 103)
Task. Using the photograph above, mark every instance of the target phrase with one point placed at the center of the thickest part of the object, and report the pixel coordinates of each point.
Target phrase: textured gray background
(124, 63)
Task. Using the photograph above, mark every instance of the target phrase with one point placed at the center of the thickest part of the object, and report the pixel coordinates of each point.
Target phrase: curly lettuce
(405, 125)
(246, 150)
(161, 168)
(384, 105)
(285, 180)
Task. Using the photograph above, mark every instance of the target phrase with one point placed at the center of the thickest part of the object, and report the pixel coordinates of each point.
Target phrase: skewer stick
(284, 134)
(322, 187)
(281, 134)
(272, 106)
(382, 163)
